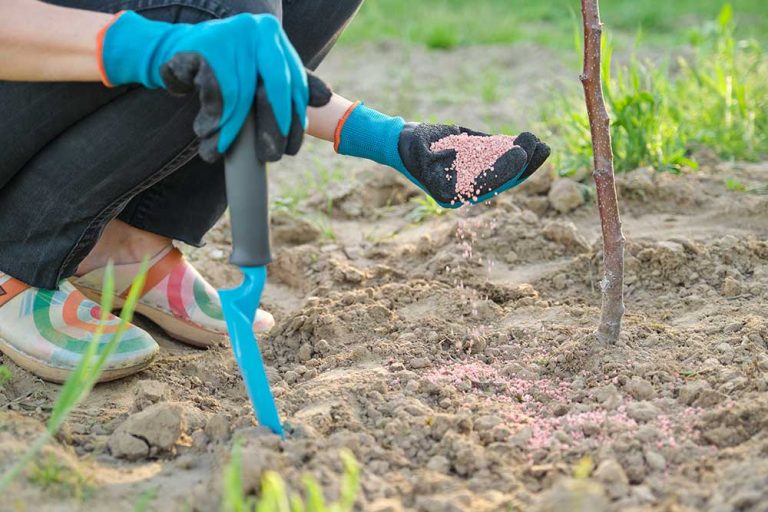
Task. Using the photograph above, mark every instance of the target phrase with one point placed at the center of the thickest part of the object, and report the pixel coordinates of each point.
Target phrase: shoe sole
(59, 375)
(172, 326)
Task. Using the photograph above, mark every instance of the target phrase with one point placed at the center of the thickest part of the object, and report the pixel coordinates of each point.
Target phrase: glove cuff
(100, 49)
(127, 48)
(367, 133)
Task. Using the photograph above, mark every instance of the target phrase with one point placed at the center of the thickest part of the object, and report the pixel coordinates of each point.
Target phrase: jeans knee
(256, 7)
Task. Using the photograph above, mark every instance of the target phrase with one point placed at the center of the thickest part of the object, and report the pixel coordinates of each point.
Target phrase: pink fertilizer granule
(475, 154)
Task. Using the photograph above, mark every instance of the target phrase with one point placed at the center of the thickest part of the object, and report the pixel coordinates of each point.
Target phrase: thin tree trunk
(612, 285)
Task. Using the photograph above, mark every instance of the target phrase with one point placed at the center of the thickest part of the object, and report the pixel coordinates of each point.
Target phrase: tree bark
(612, 285)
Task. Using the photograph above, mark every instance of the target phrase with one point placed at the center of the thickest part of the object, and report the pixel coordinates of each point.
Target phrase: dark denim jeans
(73, 156)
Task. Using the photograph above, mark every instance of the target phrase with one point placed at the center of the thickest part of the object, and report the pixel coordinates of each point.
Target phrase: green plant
(735, 185)
(583, 468)
(289, 201)
(490, 87)
(426, 208)
(80, 383)
(145, 499)
(292, 198)
(541, 23)
(727, 87)
(326, 230)
(52, 475)
(5, 375)
(233, 497)
(717, 99)
(274, 495)
(442, 37)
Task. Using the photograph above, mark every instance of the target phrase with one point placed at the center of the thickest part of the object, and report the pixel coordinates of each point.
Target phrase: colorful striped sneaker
(47, 332)
(175, 297)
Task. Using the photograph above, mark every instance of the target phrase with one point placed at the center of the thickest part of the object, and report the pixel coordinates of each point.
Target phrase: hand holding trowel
(246, 176)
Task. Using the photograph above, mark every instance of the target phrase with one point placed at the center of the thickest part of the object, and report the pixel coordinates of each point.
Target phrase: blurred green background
(449, 23)
(689, 75)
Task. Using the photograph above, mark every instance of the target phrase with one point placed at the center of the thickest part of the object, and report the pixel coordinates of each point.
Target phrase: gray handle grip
(247, 194)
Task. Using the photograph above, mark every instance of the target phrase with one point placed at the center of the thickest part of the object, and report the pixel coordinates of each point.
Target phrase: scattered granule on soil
(481, 378)
(475, 155)
(526, 403)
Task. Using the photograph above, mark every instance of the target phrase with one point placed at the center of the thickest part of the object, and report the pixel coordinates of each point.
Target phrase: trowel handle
(247, 194)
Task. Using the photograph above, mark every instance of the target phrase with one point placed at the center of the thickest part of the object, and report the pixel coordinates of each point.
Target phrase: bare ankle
(122, 243)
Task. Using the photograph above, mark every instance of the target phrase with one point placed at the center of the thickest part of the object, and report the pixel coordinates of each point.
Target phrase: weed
(426, 22)
(274, 495)
(490, 87)
(5, 375)
(145, 499)
(290, 201)
(54, 476)
(233, 498)
(293, 198)
(79, 384)
(717, 99)
(426, 208)
(442, 37)
(325, 175)
(583, 468)
(326, 230)
(735, 185)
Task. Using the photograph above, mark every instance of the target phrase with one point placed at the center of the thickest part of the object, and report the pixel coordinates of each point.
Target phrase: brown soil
(455, 357)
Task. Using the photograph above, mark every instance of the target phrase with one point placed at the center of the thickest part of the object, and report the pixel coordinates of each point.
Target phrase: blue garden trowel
(246, 178)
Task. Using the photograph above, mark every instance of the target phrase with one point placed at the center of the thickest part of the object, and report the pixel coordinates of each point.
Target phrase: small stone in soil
(642, 411)
(217, 428)
(148, 392)
(612, 475)
(418, 362)
(640, 388)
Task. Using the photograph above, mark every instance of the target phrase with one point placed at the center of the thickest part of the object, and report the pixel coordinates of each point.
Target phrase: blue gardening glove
(226, 61)
(366, 133)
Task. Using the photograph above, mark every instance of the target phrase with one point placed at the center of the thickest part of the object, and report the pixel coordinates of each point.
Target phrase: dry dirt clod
(256, 460)
(151, 431)
(612, 475)
(199, 439)
(732, 287)
(127, 446)
(323, 347)
(566, 195)
(655, 460)
(708, 398)
(640, 388)
(419, 362)
(692, 390)
(385, 505)
(574, 496)
(540, 182)
(288, 229)
(217, 428)
(642, 411)
(566, 234)
(440, 464)
(638, 183)
(468, 459)
(148, 392)
(305, 353)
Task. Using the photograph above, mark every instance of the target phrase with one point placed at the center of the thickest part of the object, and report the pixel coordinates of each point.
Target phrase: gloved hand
(234, 63)
(408, 148)
(435, 167)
